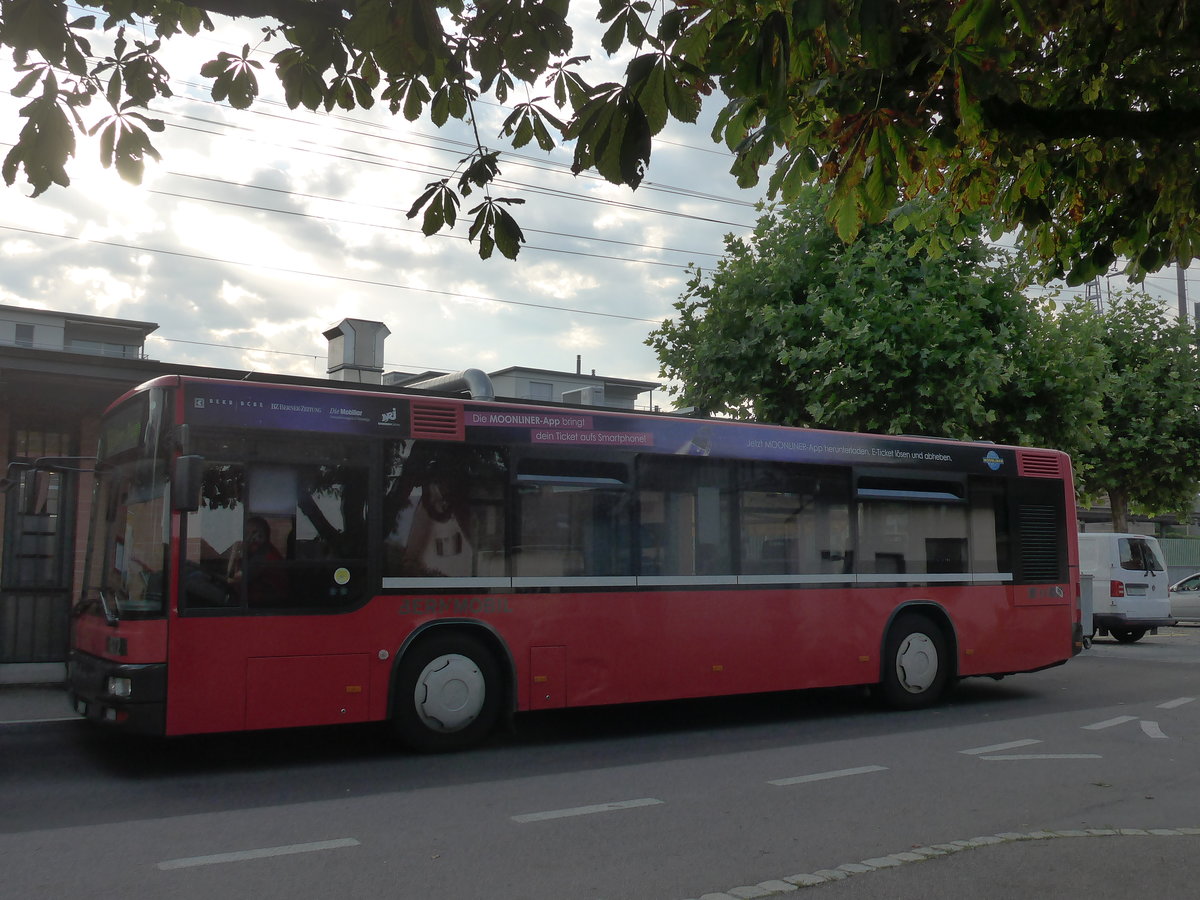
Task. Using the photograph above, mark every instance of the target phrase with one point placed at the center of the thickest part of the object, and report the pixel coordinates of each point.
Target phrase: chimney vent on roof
(356, 351)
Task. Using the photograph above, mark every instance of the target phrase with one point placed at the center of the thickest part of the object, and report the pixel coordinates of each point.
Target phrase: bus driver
(255, 562)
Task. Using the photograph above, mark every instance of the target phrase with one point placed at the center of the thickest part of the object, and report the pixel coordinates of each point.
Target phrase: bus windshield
(126, 571)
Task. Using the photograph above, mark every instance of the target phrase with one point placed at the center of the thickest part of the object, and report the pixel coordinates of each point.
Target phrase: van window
(1139, 555)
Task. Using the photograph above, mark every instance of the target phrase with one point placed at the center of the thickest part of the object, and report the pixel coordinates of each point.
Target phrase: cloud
(261, 228)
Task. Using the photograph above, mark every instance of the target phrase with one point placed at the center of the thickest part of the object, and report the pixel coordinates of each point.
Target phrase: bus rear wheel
(447, 694)
(916, 664)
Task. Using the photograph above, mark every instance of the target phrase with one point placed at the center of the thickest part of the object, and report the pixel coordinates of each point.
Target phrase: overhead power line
(391, 210)
(386, 161)
(405, 230)
(455, 295)
(452, 145)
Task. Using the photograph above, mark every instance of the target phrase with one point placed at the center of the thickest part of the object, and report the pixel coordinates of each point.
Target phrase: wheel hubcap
(916, 663)
(449, 693)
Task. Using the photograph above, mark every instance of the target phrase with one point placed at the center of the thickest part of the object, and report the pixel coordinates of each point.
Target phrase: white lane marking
(995, 748)
(1046, 756)
(42, 721)
(921, 854)
(825, 776)
(261, 853)
(585, 810)
(1109, 723)
(1179, 701)
(1152, 729)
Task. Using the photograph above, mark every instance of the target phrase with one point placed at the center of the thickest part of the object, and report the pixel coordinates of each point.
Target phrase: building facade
(57, 374)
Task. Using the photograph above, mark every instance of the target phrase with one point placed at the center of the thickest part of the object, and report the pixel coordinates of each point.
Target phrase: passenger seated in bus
(256, 561)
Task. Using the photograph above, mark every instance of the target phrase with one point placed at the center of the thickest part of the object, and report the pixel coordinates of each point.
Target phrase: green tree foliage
(799, 328)
(1150, 462)
(1076, 121)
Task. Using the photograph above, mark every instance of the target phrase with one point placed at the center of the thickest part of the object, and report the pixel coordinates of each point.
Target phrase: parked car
(1185, 598)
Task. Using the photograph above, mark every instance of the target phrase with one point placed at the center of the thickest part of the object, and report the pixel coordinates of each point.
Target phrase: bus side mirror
(187, 483)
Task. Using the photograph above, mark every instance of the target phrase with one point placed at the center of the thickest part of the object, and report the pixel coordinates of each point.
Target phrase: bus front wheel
(916, 664)
(447, 694)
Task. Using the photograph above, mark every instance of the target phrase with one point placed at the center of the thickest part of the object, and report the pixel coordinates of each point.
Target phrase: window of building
(104, 348)
(541, 390)
(24, 335)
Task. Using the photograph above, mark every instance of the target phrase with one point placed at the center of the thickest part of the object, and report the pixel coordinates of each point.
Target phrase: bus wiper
(109, 616)
(84, 605)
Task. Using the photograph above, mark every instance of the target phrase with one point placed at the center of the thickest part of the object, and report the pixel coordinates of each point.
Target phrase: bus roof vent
(1039, 465)
(442, 421)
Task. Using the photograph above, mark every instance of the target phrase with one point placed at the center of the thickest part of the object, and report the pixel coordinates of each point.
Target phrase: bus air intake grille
(1038, 527)
(438, 421)
(1039, 465)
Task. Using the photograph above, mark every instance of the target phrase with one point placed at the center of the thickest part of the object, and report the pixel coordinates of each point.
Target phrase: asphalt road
(1080, 781)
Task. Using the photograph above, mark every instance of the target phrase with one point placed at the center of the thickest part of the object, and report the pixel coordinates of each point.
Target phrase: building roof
(144, 328)
(402, 378)
(608, 379)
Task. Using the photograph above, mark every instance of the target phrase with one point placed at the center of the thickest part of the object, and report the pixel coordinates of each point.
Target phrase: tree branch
(288, 12)
(1167, 125)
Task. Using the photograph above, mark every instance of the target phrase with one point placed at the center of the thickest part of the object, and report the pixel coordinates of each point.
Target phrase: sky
(261, 228)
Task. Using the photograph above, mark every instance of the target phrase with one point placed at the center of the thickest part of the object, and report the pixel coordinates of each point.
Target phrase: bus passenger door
(274, 568)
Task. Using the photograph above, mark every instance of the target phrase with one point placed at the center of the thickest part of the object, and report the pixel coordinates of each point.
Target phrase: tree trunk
(1118, 502)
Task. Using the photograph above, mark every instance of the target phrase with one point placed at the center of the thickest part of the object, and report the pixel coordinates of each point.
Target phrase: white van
(1129, 584)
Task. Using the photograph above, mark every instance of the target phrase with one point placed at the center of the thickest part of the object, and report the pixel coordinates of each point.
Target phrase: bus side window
(911, 523)
(573, 518)
(443, 510)
(684, 517)
(990, 539)
(793, 520)
(256, 564)
(212, 532)
(278, 536)
(325, 537)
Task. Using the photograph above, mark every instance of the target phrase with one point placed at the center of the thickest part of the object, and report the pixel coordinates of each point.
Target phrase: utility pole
(1092, 295)
(1182, 283)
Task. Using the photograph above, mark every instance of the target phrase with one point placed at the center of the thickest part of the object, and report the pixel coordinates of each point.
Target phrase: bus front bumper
(129, 696)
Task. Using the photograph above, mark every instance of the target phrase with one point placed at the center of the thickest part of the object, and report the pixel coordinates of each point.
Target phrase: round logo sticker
(342, 576)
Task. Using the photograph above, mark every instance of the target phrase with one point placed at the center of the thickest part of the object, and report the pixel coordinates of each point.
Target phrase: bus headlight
(120, 687)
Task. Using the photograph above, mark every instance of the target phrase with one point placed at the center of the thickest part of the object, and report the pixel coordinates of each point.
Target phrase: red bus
(266, 555)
